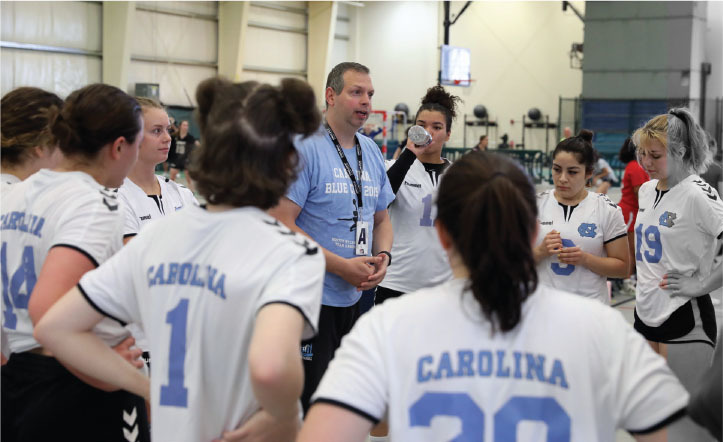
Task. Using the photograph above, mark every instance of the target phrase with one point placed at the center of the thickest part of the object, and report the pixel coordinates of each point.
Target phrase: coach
(340, 200)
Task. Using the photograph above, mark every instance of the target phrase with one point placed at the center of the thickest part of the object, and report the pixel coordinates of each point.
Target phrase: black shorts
(682, 323)
(179, 162)
(42, 400)
(317, 352)
(384, 293)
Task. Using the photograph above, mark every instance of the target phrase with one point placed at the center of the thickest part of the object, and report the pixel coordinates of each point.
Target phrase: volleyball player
(419, 259)
(225, 309)
(491, 348)
(583, 237)
(56, 226)
(633, 177)
(148, 196)
(27, 144)
(677, 234)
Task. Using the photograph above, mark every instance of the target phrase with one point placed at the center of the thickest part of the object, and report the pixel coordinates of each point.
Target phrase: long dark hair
(94, 116)
(487, 204)
(26, 114)
(439, 100)
(247, 155)
(581, 146)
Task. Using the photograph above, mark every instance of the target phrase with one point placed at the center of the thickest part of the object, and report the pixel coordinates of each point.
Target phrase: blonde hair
(149, 103)
(681, 135)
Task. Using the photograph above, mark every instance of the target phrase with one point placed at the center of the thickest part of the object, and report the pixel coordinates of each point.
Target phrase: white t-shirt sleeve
(110, 289)
(299, 283)
(131, 223)
(614, 226)
(357, 378)
(647, 393)
(708, 209)
(94, 228)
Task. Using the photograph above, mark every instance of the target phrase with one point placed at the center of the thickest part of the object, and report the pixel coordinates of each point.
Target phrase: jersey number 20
(174, 393)
(12, 294)
(515, 410)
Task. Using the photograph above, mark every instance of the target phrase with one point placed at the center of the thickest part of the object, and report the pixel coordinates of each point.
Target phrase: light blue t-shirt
(328, 201)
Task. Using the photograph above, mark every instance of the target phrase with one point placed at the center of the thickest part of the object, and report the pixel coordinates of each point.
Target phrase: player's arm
(678, 284)
(383, 238)
(658, 436)
(62, 269)
(65, 330)
(326, 422)
(355, 271)
(277, 376)
(614, 265)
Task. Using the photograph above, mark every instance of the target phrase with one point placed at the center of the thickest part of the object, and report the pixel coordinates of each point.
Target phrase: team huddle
(240, 319)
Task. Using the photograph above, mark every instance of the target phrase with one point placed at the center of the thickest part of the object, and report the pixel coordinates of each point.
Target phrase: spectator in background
(714, 174)
(185, 143)
(603, 176)
(482, 145)
(633, 177)
(566, 133)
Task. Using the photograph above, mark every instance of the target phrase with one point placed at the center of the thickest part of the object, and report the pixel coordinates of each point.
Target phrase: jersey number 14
(13, 295)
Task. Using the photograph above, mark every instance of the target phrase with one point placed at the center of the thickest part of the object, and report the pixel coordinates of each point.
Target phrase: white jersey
(50, 209)
(677, 231)
(141, 209)
(594, 222)
(564, 369)
(197, 300)
(6, 180)
(419, 259)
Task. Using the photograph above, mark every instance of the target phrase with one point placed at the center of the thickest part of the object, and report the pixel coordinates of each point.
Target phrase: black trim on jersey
(95, 306)
(78, 249)
(564, 209)
(353, 409)
(624, 235)
(659, 194)
(665, 422)
(720, 236)
(159, 203)
(692, 341)
(436, 170)
(306, 318)
(128, 235)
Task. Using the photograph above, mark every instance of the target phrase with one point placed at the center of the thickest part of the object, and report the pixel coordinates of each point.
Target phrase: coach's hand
(380, 270)
(678, 284)
(132, 355)
(551, 244)
(262, 427)
(357, 270)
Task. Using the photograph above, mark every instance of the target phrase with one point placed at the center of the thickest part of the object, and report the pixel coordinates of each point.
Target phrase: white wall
(74, 25)
(714, 47)
(519, 58)
(166, 36)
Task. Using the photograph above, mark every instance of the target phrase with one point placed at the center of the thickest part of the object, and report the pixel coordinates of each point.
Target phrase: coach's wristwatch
(388, 254)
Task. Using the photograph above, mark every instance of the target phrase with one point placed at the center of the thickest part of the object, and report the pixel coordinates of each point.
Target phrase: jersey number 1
(175, 394)
(426, 220)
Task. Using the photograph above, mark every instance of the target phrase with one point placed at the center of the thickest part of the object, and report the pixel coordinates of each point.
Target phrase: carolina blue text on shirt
(32, 224)
(486, 363)
(187, 273)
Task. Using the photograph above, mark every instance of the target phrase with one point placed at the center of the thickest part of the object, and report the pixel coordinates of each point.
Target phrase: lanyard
(349, 171)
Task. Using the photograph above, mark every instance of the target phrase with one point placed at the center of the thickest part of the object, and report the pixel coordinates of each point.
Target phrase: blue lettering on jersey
(187, 273)
(19, 221)
(307, 352)
(587, 230)
(467, 363)
(667, 219)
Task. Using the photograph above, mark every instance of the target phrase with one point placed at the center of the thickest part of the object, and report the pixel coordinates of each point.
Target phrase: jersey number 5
(517, 409)
(174, 393)
(652, 240)
(12, 294)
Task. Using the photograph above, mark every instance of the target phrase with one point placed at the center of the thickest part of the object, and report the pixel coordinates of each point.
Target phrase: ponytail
(488, 206)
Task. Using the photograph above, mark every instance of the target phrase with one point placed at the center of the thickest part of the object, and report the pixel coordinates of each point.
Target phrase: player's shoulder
(701, 191)
(545, 195)
(648, 186)
(603, 201)
(78, 191)
(285, 241)
(570, 310)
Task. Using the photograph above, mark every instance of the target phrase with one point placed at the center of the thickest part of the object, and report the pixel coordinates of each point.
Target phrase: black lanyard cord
(356, 184)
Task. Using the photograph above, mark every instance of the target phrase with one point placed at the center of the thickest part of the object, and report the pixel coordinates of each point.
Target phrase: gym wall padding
(64, 25)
